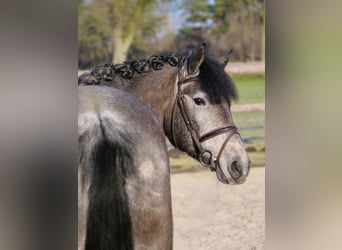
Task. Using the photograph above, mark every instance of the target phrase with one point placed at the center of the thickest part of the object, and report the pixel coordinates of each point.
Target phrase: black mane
(215, 81)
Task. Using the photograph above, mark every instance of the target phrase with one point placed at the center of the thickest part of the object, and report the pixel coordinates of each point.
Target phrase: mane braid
(126, 70)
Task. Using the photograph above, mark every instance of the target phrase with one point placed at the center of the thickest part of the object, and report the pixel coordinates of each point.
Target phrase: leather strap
(217, 132)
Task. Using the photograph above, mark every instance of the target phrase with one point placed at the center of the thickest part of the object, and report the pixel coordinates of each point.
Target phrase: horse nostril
(235, 169)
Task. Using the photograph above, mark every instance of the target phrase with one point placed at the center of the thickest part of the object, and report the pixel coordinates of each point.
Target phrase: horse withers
(124, 199)
(191, 95)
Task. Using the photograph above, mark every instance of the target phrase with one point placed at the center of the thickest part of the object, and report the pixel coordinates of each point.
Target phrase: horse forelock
(216, 82)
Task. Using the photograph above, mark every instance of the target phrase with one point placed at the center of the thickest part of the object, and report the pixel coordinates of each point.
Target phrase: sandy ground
(213, 216)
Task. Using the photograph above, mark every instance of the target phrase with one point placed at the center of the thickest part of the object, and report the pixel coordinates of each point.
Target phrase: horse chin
(222, 178)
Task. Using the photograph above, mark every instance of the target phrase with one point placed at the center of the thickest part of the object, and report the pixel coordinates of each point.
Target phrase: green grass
(251, 124)
(251, 88)
(257, 158)
(252, 129)
(244, 119)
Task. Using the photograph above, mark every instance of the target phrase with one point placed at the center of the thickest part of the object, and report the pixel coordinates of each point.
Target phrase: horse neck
(157, 90)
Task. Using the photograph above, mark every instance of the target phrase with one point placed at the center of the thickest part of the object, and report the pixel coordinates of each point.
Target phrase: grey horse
(191, 95)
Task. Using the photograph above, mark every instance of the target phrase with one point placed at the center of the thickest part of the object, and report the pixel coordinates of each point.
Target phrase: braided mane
(126, 70)
(214, 80)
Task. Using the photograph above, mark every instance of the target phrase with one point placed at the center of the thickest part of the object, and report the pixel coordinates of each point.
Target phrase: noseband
(197, 139)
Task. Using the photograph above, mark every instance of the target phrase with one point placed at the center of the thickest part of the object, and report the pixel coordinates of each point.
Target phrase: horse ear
(225, 63)
(196, 59)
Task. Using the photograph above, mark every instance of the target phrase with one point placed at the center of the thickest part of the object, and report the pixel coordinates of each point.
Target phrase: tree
(92, 35)
(149, 33)
(113, 30)
(238, 24)
(261, 14)
(123, 18)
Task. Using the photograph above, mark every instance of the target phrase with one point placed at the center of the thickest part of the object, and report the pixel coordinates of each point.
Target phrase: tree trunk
(262, 31)
(263, 42)
(121, 44)
(251, 32)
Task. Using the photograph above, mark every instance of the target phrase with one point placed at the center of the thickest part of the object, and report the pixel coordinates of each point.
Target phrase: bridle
(197, 139)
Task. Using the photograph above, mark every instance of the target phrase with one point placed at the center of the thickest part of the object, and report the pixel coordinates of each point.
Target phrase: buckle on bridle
(207, 161)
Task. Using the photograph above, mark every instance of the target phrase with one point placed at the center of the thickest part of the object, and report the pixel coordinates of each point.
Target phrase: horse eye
(199, 101)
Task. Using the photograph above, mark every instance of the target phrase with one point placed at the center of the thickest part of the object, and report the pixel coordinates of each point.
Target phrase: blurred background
(38, 136)
(112, 31)
(115, 30)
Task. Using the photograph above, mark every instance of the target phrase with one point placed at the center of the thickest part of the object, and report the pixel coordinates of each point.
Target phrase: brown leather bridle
(197, 139)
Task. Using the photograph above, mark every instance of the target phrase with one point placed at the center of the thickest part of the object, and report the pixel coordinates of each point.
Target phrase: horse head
(201, 123)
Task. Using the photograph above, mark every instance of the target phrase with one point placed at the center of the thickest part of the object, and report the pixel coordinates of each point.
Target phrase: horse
(124, 199)
(191, 96)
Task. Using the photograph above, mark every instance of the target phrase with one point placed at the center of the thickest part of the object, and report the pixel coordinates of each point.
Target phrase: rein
(197, 139)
